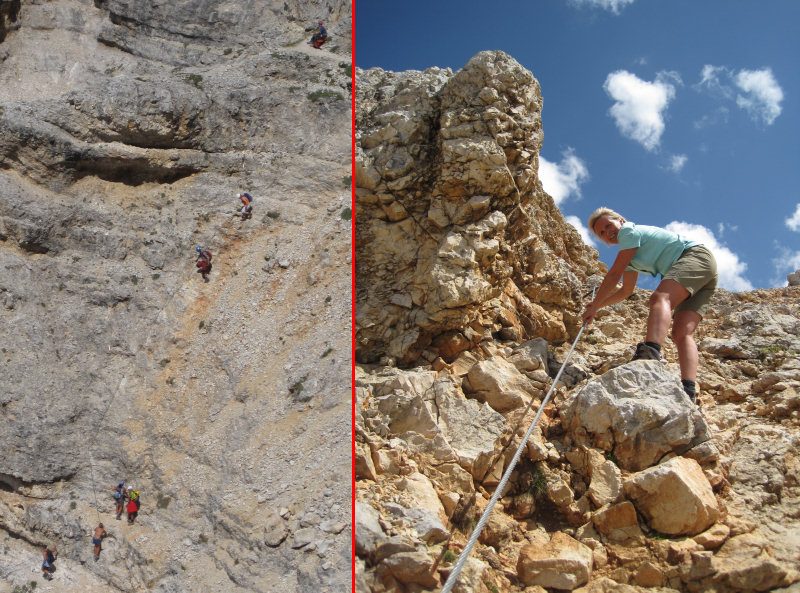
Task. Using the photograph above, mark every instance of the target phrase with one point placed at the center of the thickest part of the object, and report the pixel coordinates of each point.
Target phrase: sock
(654, 346)
(689, 388)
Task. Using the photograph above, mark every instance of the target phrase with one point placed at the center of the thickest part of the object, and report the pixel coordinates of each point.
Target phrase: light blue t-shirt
(656, 248)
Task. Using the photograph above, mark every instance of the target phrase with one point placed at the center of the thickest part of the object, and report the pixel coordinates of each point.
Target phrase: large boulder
(675, 497)
(564, 563)
(637, 411)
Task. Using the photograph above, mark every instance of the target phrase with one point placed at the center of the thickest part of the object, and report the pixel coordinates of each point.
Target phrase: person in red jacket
(203, 262)
(133, 510)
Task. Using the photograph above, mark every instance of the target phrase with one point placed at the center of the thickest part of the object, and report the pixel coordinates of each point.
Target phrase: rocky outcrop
(456, 241)
(126, 130)
(624, 484)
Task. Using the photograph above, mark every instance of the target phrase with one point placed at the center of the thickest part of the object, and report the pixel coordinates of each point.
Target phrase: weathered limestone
(638, 411)
(675, 497)
(126, 131)
(443, 163)
(563, 563)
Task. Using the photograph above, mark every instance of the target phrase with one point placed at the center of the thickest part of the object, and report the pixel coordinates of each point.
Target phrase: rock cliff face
(469, 286)
(456, 240)
(126, 131)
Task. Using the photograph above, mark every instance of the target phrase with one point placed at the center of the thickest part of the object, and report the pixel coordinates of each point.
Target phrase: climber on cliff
(119, 499)
(688, 279)
(247, 205)
(320, 36)
(97, 540)
(133, 511)
(203, 262)
(48, 562)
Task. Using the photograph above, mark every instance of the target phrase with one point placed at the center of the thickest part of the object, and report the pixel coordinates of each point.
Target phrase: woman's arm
(608, 294)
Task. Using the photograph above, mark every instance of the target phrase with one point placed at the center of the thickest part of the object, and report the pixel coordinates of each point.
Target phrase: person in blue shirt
(320, 37)
(689, 277)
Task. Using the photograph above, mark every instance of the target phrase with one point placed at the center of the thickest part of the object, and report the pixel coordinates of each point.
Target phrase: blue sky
(683, 114)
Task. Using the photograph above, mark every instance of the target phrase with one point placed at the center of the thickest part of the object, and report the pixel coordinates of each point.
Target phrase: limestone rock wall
(126, 130)
(455, 239)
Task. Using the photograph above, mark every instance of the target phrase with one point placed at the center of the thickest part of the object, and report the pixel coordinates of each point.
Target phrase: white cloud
(763, 94)
(586, 235)
(758, 92)
(561, 180)
(710, 80)
(611, 5)
(676, 162)
(731, 269)
(785, 263)
(793, 222)
(639, 105)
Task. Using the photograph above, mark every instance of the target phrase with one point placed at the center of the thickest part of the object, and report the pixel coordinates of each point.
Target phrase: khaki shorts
(696, 271)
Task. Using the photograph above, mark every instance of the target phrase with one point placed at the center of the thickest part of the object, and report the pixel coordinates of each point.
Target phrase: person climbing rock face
(48, 562)
(97, 540)
(320, 37)
(247, 205)
(133, 509)
(203, 262)
(119, 499)
(689, 277)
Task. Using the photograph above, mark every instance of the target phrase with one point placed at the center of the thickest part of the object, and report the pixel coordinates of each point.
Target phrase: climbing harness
(462, 558)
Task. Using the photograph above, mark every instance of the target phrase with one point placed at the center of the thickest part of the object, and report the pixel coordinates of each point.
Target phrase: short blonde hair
(603, 211)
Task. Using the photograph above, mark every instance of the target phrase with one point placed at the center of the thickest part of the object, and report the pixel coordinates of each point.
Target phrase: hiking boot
(645, 352)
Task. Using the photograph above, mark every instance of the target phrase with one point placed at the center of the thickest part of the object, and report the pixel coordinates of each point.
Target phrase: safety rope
(462, 559)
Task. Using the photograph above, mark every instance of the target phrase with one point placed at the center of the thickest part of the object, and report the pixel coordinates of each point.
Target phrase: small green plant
(612, 458)
(195, 79)
(449, 556)
(228, 51)
(328, 351)
(201, 324)
(73, 505)
(273, 214)
(325, 94)
(162, 501)
(156, 276)
(203, 538)
(134, 280)
(538, 482)
(163, 362)
(297, 388)
(775, 350)
(347, 180)
(328, 299)
(347, 214)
